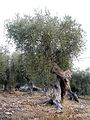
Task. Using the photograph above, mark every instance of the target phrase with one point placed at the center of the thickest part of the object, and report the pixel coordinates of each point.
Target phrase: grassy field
(23, 106)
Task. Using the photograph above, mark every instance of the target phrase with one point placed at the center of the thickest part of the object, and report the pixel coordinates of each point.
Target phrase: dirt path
(22, 106)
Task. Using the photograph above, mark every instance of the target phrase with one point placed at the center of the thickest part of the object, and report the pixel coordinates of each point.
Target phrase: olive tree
(45, 39)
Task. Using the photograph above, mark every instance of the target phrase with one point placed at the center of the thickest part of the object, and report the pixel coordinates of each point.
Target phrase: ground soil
(23, 106)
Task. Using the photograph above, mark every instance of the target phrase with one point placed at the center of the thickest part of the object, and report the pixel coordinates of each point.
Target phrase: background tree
(4, 67)
(81, 82)
(18, 71)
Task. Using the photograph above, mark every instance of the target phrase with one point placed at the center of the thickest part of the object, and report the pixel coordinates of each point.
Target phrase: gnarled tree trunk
(64, 81)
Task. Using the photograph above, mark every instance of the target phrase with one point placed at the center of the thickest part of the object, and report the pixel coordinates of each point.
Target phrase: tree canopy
(44, 39)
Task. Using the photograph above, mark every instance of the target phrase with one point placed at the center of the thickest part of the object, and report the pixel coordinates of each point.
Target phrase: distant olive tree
(81, 82)
(4, 67)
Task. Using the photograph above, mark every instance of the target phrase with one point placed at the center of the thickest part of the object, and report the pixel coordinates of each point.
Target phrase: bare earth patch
(23, 106)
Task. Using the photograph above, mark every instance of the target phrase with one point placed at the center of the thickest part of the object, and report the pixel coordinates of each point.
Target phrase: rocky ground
(23, 106)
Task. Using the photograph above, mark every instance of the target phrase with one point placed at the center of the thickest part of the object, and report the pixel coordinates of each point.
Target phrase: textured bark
(64, 81)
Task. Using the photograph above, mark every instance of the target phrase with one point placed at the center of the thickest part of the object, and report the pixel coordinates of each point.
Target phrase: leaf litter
(23, 106)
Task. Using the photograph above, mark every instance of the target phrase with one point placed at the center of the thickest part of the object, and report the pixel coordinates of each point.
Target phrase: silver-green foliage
(44, 38)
